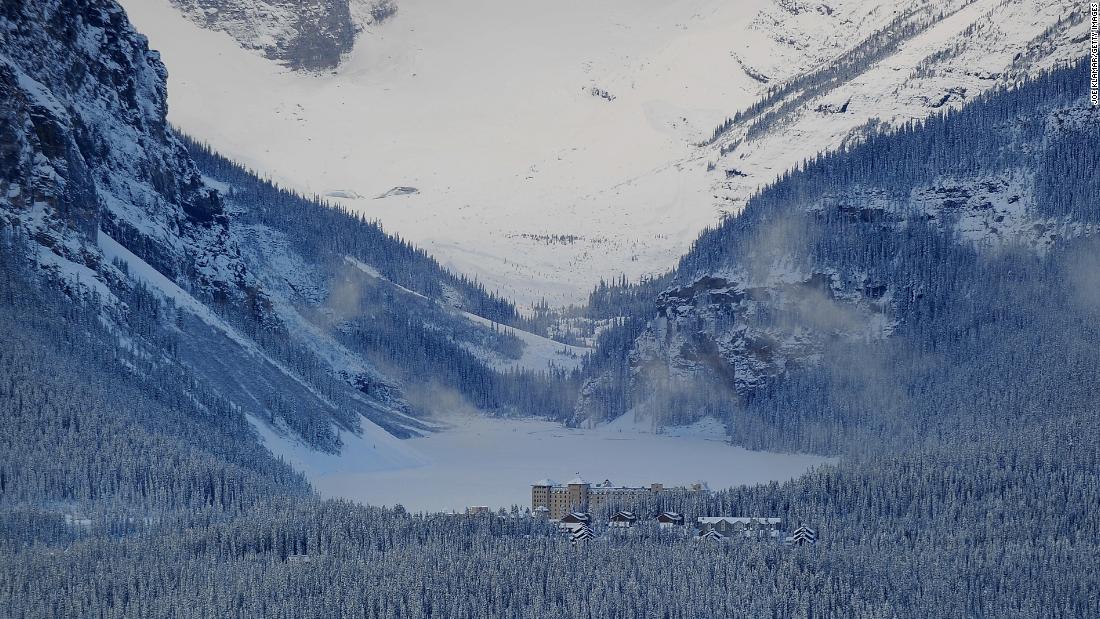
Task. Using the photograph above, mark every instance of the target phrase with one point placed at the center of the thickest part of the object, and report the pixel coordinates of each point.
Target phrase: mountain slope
(813, 312)
(310, 321)
(576, 156)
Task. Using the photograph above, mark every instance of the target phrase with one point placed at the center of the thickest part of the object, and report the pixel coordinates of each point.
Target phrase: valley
(492, 462)
(506, 149)
(295, 295)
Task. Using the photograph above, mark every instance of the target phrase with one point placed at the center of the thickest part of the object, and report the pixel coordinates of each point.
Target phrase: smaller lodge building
(668, 520)
(574, 520)
(727, 526)
(623, 519)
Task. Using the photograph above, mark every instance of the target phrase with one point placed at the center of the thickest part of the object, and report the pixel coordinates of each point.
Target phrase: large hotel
(581, 495)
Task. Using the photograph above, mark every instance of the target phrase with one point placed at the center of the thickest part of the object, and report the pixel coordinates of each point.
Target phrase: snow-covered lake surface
(482, 461)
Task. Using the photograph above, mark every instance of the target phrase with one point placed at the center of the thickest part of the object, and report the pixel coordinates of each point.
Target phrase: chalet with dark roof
(574, 520)
(710, 535)
(623, 519)
(668, 520)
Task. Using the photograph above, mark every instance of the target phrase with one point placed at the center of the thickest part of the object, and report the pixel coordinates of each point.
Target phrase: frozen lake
(482, 461)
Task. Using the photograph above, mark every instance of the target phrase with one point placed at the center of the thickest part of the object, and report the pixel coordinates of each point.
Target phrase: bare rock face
(86, 148)
(719, 337)
(41, 164)
(309, 35)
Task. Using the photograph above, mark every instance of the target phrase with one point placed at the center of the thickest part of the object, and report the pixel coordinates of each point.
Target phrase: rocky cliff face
(715, 339)
(87, 148)
(742, 334)
(311, 35)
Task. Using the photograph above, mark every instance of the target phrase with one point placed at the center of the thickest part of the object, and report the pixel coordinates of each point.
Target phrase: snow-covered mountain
(195, 361)
(928, 59)
(863, 268)
(312, 319)
(542, 147)
(314, 323)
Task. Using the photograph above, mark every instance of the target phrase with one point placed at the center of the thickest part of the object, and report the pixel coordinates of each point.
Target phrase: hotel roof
(733, 519)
